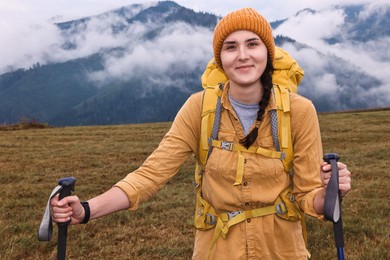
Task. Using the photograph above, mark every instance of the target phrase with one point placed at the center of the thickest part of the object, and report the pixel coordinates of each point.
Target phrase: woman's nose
(242, 53)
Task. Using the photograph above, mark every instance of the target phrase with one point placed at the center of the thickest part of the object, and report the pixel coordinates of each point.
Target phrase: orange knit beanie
(243, 19)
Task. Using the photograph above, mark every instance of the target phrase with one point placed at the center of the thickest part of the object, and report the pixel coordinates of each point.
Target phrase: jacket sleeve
(174, 149)
(307, 153)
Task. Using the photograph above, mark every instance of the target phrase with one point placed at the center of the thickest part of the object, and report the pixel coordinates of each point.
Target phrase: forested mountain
(141, 62)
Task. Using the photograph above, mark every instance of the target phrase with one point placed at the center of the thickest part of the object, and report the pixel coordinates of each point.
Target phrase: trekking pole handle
(332, 159)
(332, 195)
(67, 185)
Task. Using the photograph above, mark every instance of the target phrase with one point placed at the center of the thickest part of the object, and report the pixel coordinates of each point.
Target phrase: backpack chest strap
(229, 146)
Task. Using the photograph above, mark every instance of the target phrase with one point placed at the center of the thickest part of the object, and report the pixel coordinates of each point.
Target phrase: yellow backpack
(286, 78)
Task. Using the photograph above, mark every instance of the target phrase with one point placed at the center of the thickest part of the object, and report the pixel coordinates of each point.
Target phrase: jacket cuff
(132, 195)
(307, 204)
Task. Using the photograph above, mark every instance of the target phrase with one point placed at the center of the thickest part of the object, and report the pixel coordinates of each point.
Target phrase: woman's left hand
(344, 176)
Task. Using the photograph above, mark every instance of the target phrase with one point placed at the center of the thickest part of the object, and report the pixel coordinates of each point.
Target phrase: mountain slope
(87, 91)
(43, 91)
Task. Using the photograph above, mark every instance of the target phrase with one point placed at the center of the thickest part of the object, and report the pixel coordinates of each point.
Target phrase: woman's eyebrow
(248, 40)
(229, 42)
(252, 39)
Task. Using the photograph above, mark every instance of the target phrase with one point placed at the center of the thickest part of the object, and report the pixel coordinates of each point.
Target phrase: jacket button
(248, 220)
(245, 183)
(246, 203)
(245, 160)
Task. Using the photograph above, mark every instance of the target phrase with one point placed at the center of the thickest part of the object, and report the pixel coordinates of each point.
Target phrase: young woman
(244, 49)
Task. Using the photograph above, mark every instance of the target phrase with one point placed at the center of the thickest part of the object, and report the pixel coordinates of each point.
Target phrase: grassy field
(31, 162)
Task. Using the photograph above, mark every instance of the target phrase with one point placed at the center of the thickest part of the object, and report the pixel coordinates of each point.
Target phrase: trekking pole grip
(332, 205)
(332, 195)
(67, 185)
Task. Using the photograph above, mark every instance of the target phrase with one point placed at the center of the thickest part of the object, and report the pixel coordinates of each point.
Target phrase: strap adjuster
(281, 208)
(233, 214)
(210, 219)
(227, 145)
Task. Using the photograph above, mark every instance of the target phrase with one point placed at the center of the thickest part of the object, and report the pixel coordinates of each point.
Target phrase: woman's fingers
(344, 176)
(62, 210)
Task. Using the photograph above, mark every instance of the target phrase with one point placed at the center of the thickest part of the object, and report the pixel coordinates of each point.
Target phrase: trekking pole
(64, 188)
(332, 205)
(67, 188)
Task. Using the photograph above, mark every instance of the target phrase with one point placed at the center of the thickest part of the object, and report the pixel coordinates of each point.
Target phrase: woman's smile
(244, 68)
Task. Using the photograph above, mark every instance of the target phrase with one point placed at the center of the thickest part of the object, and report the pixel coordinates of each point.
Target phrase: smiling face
(244, 58)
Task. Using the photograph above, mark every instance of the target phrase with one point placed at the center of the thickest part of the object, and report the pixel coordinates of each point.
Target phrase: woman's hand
(344, 176)
(69, 208)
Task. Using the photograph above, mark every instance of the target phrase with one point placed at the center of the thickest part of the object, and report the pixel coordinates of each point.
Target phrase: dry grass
(31, 161)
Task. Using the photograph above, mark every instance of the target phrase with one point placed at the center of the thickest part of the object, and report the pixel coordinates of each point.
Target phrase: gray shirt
(246, 113)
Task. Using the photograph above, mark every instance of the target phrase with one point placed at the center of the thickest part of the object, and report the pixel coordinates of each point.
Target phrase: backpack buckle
(227, 145)
(210, 219)
(281, 208)
(233, 214)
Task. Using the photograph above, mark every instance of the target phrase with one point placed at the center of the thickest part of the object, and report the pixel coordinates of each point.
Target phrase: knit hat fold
(243, 19)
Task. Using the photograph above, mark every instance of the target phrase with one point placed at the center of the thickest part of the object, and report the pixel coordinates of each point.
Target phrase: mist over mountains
(141, 62)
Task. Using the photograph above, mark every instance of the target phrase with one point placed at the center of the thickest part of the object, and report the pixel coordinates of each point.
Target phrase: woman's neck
(246, 95)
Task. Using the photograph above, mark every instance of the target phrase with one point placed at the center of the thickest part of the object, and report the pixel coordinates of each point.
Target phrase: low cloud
(29, 41)
(311, 28)
(26, 44)
(179, 46)
(328, 66)
(336, 84)
(127, 52)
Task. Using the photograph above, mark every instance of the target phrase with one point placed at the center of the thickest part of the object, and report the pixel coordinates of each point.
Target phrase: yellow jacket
(267, 237)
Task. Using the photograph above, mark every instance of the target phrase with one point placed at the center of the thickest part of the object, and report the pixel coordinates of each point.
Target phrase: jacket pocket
(267, 167)
(223, 162)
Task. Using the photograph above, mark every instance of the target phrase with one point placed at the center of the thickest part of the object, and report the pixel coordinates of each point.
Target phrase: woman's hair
(266, 81)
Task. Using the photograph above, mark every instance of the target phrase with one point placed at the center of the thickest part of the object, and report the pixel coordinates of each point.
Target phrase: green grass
(31, 162)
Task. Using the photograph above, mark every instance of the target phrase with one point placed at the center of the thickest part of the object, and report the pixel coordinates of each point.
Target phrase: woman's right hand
(69, 208)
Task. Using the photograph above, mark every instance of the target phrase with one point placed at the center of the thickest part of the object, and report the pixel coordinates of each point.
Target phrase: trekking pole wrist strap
(46, 227)
(87, 212)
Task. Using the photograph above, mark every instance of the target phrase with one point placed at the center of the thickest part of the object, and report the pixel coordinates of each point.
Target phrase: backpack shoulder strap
(282, 100)
(210, 121)
(211, 104)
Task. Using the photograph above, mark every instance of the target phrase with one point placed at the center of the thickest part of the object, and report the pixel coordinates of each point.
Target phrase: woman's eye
(252, 44)
(230, 47)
